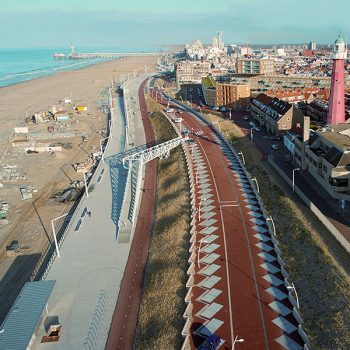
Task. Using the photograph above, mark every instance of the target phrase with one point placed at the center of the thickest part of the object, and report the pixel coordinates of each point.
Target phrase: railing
(96, 324)
(274, 241)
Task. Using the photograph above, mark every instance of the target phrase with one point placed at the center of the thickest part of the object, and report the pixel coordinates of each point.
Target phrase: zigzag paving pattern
(237, 285)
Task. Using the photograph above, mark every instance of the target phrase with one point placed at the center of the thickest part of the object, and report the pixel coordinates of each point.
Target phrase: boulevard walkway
(91, 267)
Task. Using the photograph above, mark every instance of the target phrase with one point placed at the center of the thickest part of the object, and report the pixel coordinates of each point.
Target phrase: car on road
(275, 146)
(211, 343)
(251, 123)
(215, 108)
(179, 110)
(169, 110)
(257, 129)
(202, 104)
(223, 109)
(245, 117)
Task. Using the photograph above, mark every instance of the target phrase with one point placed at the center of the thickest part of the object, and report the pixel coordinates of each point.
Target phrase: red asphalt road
(244, 298)
(246, 311)
(124, 322)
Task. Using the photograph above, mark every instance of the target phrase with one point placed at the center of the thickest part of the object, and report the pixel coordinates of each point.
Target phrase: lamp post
(292, 287)
(102, 153)
(54, 233)
(200, 205)
(236, 340)
(199, 166)
(199, 250)
(251, 134)
(273, 224)
(85, 184)
(217, 122)
(230, 115)
(242, 157)
(296, 169)
(257, 185)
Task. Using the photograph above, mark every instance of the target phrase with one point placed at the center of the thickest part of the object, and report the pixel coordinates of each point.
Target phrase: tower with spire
(336, 105)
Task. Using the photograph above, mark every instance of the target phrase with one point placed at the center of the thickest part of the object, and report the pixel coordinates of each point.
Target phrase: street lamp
(230, 109)
(54, 233)
(242, 157)
(101, 147)
(257, 185)
(292, 287)
(199, 166)
(200, 205)
(217, 122)
(199, 250)
(273, 224)
(236, 340)
(251, 134)
(296, 169)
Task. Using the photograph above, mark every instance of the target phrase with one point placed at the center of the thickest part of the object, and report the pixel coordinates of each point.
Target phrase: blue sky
(147, 23)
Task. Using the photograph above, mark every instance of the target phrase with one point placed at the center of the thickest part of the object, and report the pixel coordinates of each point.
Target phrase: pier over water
(86, 55)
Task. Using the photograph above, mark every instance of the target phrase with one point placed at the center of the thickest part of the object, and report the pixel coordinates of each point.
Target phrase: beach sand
(30, 220)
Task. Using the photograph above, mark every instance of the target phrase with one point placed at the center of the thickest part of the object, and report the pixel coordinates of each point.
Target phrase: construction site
(50, 144)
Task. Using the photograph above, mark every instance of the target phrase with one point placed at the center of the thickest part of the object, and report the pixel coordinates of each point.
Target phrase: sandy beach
(29, 221)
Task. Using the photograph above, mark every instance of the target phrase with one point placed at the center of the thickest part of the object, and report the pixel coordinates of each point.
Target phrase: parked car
(215, 108)
(275, 146)
(223, 109)
(257, 129)
(245, 117)
(211, 343)
(169, 110)
(251, 123)
(179, 110)
(202, 104)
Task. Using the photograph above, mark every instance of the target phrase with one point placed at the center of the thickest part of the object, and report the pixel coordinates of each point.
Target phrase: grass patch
(324, 291)
(162, 303)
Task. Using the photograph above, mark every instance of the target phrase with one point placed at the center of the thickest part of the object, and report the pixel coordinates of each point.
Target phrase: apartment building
(232, 95)
(222, 94)
(317, 110)
(209, 91)
(191, 71)
(276, 115)
(327, 159)
(255, 66)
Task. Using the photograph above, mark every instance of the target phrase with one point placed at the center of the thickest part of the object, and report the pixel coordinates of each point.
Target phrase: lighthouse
(336, 106)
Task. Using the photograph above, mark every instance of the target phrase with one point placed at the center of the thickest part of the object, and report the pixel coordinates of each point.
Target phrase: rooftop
(22, 320)
(208, 83)
(339, 135)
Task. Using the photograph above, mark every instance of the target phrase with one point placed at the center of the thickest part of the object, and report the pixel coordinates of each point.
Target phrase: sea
(18, 65)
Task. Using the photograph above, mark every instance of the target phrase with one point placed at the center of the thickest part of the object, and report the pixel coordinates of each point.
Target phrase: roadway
(236, 282)
(282, 157)
(124, 322)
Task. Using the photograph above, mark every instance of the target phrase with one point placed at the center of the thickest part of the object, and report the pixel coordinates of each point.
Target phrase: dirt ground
(29, 221)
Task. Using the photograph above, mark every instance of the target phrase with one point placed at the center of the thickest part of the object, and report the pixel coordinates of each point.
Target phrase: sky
(150, 23)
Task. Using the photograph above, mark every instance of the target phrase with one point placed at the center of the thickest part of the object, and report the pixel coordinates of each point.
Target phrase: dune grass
(324, 291)
(162, 305)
